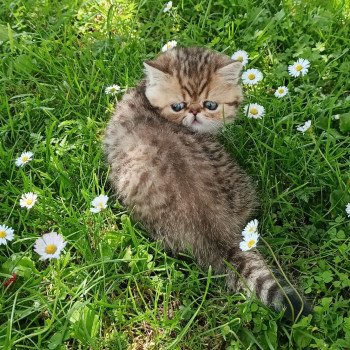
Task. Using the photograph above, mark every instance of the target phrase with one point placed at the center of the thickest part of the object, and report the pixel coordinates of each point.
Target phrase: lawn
(113, 287)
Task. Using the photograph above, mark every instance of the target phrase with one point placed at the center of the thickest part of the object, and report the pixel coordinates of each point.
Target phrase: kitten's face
(194, 87)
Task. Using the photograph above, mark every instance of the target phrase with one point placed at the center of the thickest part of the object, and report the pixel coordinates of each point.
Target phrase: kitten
(176, 178)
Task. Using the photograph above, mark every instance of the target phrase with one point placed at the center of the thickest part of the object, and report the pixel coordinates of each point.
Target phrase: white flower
(251, 76)
(249, 241)
(281, 91)
(28, 200)
(99, 203)
(254, 110)
(6, 234)
(252, 227)
(112, 90)
(168, 6)
(241, 56)
(298, 68)
(304, 127)
(169, 45)
(49, 246)
(347, 209)
(24, 158)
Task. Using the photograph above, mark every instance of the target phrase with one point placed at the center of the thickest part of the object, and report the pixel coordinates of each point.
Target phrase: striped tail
(248, 272)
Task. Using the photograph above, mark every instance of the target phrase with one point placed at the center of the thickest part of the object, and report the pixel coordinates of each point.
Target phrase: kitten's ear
(231, 72)
(154, 72)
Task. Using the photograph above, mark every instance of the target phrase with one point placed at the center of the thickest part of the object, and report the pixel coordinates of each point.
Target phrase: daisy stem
(292, 109)
(313, 136)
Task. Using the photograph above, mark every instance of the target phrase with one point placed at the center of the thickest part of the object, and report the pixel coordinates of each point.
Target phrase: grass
(114, 288)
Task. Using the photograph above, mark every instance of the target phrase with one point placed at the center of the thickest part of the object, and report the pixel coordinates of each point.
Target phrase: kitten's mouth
(195, 121)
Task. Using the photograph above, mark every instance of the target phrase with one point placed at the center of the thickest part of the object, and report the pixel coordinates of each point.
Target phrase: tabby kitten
(177, 179)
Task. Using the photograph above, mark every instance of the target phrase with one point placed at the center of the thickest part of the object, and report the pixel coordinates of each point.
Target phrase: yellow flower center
(298, 67)
(251, 243)
(251, 76)
(254, 111)
(29, 201)
(51, 249)
(239, 58)
(281, 91)
(25, 158)
(2, 234)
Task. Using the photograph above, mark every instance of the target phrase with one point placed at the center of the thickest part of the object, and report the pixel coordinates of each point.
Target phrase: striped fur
(178, 180)
(193, 76)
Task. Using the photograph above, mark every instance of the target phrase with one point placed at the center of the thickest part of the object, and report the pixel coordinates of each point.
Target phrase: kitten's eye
(177, 107)
(210, 105)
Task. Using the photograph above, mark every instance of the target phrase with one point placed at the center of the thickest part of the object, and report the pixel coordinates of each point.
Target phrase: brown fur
(177, 179)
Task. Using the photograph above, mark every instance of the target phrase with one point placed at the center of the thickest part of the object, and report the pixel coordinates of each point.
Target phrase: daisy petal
(251, 227)
(99, 203)
(251, 76)
(241, 56)
(299, 68)
(347, 209)
(112, 90)
(168, 6)
(49, 246)
(6, 234)
(28, 200)
(249, 241)
(24, 158)
(254, 111)
(169, 45)
(281, 91)
(304, 127)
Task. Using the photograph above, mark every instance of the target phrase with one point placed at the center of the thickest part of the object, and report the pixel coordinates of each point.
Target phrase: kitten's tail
(248, 271)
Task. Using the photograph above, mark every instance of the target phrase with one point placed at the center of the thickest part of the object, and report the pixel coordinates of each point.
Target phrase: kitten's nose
(194, 112)
(195, 108)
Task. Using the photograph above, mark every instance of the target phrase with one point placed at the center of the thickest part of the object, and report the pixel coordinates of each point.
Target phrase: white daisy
(298, 68)
(252, 227)
(251, 76)
(6, 234)
(241, 56)
(28, 200)
(249, 241)
(24, 158)
(281, 91)
(112, 90)
(347, 209)
(254, 110)
(49, 246)
(169, 45)
(304, 127)
(168, 6)
(99, 203)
